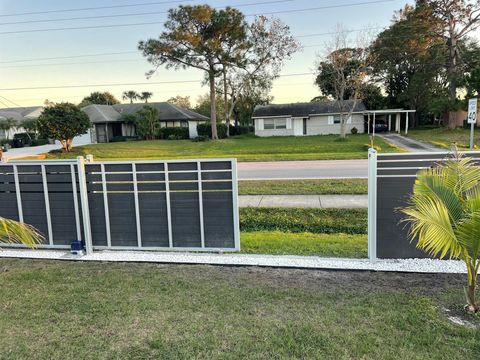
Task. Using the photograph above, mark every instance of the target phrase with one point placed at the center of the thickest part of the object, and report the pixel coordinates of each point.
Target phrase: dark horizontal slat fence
(188, 204)
(395, 177)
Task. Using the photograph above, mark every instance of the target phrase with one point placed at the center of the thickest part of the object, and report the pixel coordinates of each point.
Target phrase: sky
(35, 54)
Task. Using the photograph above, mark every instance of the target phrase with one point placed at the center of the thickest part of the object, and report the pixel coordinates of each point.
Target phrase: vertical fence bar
(169, 213)
(236, 223)
(200, 203)
(372, 204)
(137, 207)
(75, 202)
(82, 184)
(17, 192)
(105, 206)
(47, 204)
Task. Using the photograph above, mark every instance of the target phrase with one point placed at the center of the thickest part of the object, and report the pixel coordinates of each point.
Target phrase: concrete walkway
(305, 201)
(409, 144)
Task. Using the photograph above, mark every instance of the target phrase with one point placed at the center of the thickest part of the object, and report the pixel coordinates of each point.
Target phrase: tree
(407, 60)
(130, 95)
(98, 98)
(371, 96)
(147, 122)
(341, 74)
(145, 95)
(458, 18)
(8, 124)
(204, 107)
(196, 37)
(31, 127)
(14, 232)
(63, 122)
(269, 44)
(445, 216)
(182, 101)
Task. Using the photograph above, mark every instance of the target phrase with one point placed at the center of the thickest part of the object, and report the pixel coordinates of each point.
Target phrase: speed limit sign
(472, 111)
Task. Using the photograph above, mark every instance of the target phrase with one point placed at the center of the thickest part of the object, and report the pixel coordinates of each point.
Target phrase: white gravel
(286, 261)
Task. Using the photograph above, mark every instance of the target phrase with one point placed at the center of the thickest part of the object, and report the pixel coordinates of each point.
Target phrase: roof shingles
(304, 109)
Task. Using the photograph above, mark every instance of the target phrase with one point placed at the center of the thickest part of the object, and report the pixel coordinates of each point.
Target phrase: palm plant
(7, 124)
(444, 215)
(145, 95)
(131, 95)
(14, 232)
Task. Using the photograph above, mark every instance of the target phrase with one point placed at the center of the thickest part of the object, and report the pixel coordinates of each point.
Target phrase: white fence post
(372, 204)
(82, 184)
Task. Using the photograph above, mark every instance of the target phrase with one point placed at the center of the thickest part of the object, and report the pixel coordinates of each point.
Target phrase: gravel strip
(287, 261)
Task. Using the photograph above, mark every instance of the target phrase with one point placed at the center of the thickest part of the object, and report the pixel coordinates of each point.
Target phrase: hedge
(205, 129)
(173, 133)
(327, 221)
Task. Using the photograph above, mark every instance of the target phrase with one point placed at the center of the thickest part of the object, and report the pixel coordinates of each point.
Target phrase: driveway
(409, 144)
(29, 151)
(318, 169)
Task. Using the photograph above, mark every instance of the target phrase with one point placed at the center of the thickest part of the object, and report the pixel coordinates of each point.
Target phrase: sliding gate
(147, 205)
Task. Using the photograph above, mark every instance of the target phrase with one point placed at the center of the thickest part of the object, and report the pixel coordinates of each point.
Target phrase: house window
(336, 119)
(274, 124)
(184, 123)
(269, 124)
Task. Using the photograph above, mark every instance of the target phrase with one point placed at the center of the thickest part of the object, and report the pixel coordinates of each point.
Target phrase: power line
(3, 97)
(157, 22)
(123, 84)
(132, 14)
(93, 8)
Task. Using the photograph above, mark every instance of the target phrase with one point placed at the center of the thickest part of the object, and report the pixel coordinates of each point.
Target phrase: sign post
(472, 118)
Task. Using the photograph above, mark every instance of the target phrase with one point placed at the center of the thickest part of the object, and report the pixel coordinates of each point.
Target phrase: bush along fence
(144, 205)
(390, 185)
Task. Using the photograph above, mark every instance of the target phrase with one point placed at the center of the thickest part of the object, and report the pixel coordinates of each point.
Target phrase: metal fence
(147, 205)
(390, 183)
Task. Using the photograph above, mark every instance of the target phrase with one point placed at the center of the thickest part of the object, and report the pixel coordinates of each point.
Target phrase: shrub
(24, 137)
(205, 129)
(123, 138)
(173, 133)
(349, 221)
(38, 142)
(354, 131)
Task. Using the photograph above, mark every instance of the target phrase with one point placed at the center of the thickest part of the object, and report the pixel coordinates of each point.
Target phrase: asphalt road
(317, 169)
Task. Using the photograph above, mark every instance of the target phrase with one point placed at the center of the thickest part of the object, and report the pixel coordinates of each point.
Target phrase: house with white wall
(302, 119)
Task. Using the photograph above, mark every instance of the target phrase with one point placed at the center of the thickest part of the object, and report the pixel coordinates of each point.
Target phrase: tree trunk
(343, 126)
(225, 99)
(452, 77)
(213, 104)
(472, 306)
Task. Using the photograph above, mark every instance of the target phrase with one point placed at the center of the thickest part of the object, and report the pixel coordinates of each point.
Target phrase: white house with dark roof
(300, 119)
(19, 114)
(108, 121)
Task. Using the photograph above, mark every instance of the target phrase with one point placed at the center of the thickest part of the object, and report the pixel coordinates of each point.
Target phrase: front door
(304, 126)
(101, 133)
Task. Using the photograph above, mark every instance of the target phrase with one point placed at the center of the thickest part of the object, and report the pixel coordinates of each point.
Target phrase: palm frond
(14, 232)
(432, 227)
(468, 235)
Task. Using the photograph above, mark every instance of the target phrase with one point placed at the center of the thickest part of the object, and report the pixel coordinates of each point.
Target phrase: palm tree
(130, 94)
(145, 95)
(445, 216)
(14, 232)
(7, 124)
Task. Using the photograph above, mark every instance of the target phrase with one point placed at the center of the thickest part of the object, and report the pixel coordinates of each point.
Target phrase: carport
(397, 113)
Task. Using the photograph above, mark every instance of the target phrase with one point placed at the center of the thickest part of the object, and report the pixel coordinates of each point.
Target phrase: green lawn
(85, 310)
(303, 187)
(444, 137)
(244, 148)
(285, 243)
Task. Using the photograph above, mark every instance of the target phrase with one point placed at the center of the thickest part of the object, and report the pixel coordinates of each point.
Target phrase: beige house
(303, 119)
